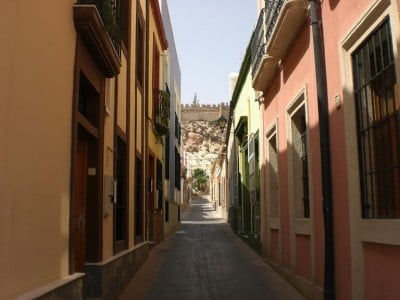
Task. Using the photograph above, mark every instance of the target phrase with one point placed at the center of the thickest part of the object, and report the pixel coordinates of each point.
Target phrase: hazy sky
(211, 37)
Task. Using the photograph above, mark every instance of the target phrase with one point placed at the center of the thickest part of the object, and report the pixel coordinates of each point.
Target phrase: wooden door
(79, 207)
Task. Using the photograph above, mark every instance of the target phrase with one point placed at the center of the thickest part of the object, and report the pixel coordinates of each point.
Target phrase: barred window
(300, 164)
(377, 106)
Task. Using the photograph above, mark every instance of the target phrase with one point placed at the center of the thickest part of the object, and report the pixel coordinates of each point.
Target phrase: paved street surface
(204, 259)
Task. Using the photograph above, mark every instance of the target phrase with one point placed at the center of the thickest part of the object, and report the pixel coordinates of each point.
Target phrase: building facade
(76, 221)
(329, 216)
(172, 155)
(244, 156)
(157, 123)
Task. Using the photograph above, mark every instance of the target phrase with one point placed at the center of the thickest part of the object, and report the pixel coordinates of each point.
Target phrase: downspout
(145, 123)
(323, 116)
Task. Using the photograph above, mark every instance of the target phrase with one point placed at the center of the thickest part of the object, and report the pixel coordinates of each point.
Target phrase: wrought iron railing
(273, 8)
(109, 11)
(161, 110)
(258, 43)
(262, 33)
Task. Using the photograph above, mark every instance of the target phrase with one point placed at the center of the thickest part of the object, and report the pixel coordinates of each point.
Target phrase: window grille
(377, 106)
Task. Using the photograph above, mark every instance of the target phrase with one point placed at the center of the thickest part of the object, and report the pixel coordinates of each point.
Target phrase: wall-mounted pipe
(323, 116)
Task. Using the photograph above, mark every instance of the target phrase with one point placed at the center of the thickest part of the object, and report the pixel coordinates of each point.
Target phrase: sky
(211, 38)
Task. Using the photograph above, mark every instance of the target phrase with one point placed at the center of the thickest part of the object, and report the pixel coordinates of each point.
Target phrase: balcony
(161, 111)
(97, 22)
(277, 27)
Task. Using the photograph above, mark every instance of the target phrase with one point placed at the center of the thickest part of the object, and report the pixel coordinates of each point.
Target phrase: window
(235, 177)
(176, 126)
(166, 211)
(300, 164)
(89, 101)
(140, 52)
(167, 145)
(177, 170)
(273, 176)
(159, 185)
(138, 201)
(378, 124)
(120, 205)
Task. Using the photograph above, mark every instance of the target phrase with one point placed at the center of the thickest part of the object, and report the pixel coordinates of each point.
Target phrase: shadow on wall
(292, 61)
(333, 4)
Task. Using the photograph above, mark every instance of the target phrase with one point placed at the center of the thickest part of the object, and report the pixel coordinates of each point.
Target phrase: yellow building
(157, 123)
(243, 156)
(76, 84)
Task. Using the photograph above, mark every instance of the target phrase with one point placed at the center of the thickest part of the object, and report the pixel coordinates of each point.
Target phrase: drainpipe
(323, 115)
(145, 145)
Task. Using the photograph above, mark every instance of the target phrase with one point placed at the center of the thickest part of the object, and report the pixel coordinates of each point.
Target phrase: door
(79, 207)
(152, 183)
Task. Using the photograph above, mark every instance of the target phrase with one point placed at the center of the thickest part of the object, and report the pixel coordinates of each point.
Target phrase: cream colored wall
(36, 82)
(242, 107)
(255, 115)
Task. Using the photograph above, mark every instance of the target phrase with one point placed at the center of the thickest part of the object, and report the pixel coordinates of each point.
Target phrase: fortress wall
(205, 112)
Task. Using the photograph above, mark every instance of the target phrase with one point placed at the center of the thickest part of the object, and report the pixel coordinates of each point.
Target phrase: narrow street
(204, 259)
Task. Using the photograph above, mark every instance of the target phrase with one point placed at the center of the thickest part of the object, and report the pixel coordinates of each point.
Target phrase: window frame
(374, 180)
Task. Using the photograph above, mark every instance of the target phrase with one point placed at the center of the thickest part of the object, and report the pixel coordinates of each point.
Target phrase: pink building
(360, 257)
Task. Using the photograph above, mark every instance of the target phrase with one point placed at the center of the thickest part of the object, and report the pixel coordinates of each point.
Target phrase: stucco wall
(35, 129)
(295, 78)
(173, 219)
(351, 231)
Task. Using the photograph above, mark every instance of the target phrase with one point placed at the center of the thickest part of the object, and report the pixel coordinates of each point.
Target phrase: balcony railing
(277, 27)
(109, 12)
(273, 8)
(161, 111)
(258, 43)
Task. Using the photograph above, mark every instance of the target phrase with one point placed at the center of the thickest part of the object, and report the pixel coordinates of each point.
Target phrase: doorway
(87, 168)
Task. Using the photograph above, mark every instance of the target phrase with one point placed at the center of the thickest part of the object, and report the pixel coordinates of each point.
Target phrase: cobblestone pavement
(204, 259)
